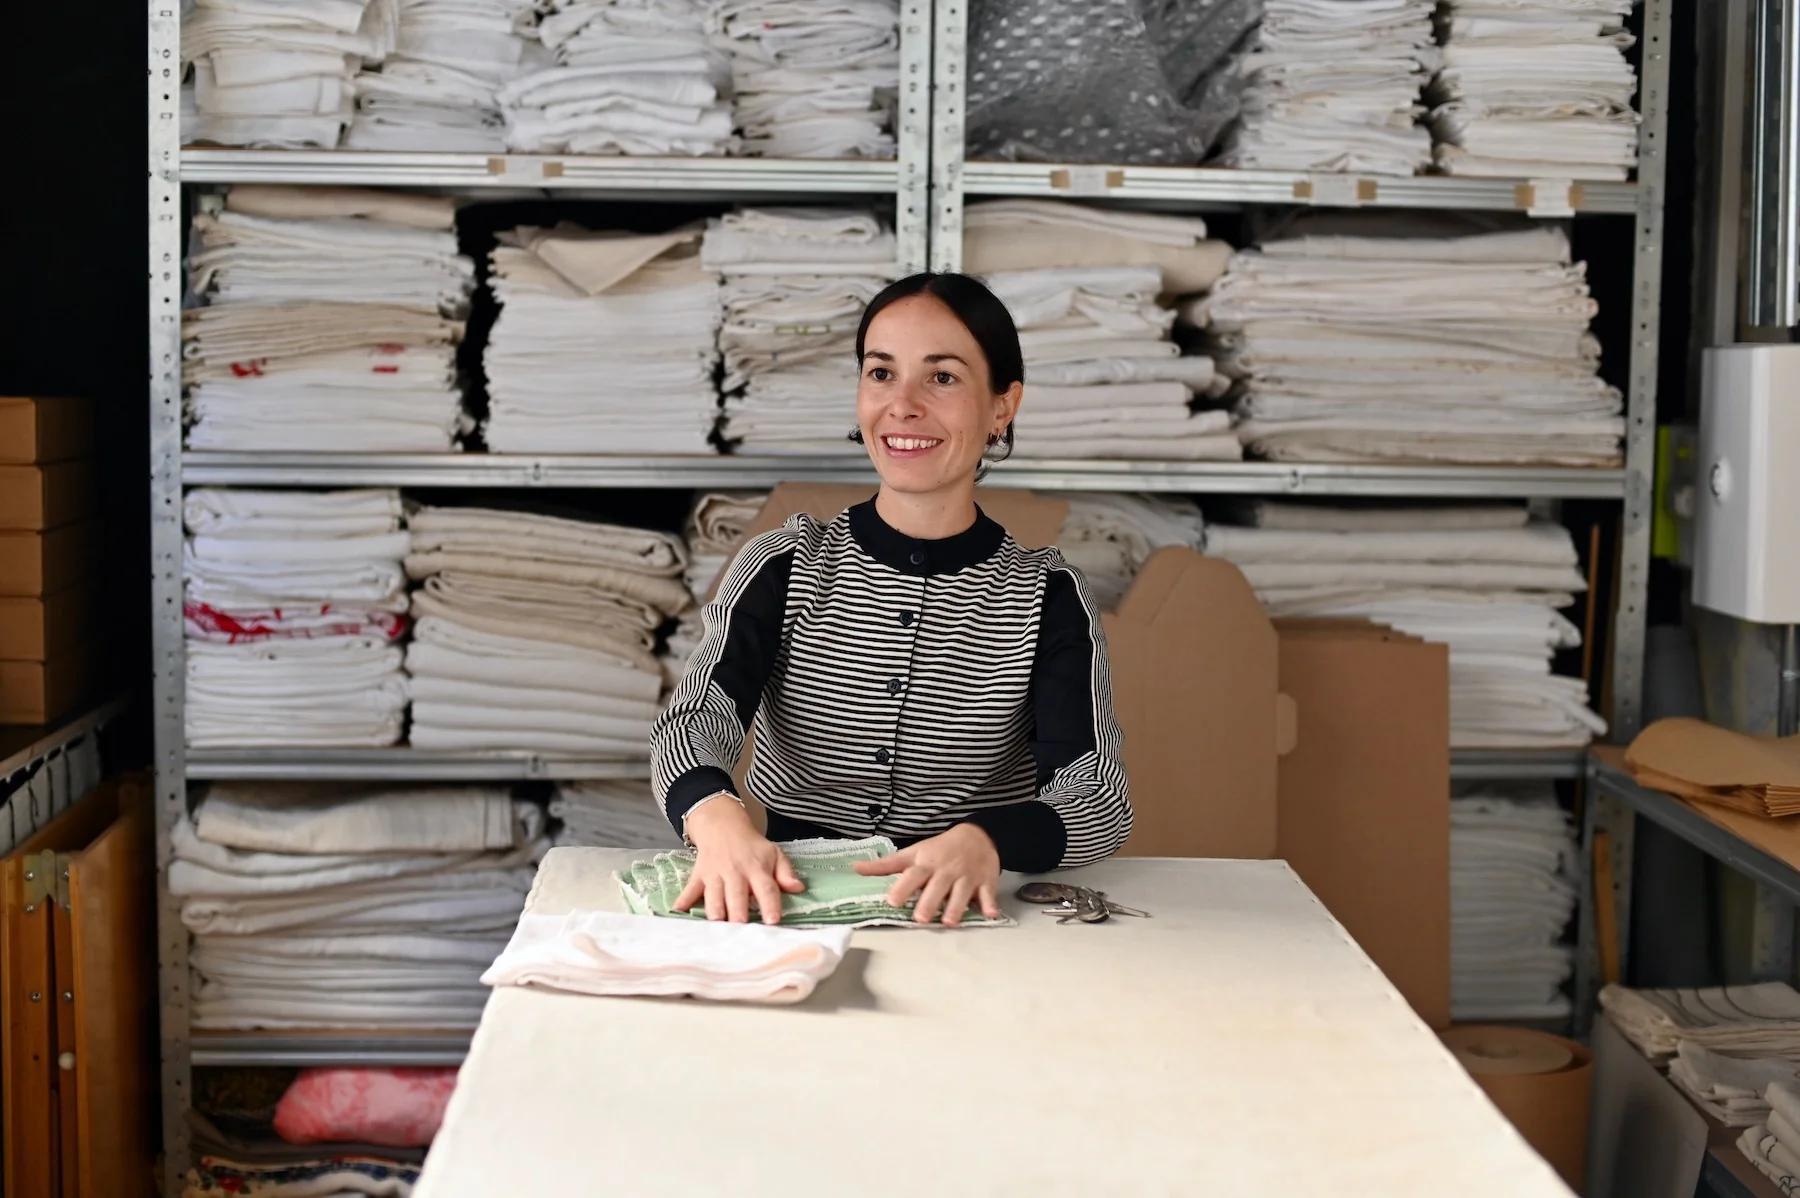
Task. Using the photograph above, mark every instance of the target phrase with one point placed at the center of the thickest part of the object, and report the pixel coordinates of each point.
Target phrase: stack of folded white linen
(335, 907)
(436, 91)
(629, 77)
(1427, 339)
(606, 342)
(1758, 1020)
(1104, 379)
(1334, 85)
(279, 75)
(1484, 580)
(813, 78)
(715, 530)
(535, 632)
(1773, 1145)
(795, 283)
(331, 322)
(1536, 88)
(1110, 537)
(1020, 235)
(1730, 1087)
(1513, 876)
(293, 607)
(610, 814)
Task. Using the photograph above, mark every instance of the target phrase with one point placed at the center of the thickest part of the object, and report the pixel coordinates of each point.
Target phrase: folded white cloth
(1312, 517)
(1513, 892)
(1731, 1089)
(614, 814)
(605, 953)
(311, 817)
(1761, 1019)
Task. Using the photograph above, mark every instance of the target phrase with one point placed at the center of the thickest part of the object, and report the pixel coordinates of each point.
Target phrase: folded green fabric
(835, 893)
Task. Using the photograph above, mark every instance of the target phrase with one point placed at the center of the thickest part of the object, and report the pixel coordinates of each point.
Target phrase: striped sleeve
(700, 734)
(1077, 746)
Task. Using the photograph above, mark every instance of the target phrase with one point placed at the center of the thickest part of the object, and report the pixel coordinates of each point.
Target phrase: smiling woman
(910, 670)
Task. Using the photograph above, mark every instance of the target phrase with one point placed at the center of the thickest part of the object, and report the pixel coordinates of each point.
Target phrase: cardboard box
(37, 692)
(47, 628)
(33, 498)
(1365, 794)
(45, 429)
(42, 563)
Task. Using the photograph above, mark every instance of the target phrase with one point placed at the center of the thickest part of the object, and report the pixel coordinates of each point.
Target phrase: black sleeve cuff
(1029, 835)
(691, 787)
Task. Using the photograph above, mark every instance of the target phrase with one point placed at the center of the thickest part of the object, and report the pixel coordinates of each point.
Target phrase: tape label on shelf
(1549, 197)
(1330, 189)
(1087, 180)
(524, 166)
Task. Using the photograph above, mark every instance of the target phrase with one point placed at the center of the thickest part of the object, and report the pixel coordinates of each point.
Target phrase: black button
(893, 686)
(906, 619)
(881, 756)
(874, 811)
(918, 557)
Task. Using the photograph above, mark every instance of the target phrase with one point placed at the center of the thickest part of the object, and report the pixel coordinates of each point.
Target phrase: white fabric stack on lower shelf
(535, 632)
(436, 91)
(277, 75)
(795, 284)
(1773, 1145)
(813, 78)
(609, 814)
(1759, 1020)
(1513, 876)
(293, 606)
(715, 529)
(1110, 537)
(630, 77)
(1104, 380)
(331, 322)
(1536, 89)
(325, 906)
(1439, 339)
(1490, 593)
(1334, 85)
(606, 342)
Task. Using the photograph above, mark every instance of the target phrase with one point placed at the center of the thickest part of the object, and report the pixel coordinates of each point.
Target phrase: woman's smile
(912, 446)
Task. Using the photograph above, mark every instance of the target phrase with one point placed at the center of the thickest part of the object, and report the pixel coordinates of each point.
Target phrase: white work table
(1237, 1043)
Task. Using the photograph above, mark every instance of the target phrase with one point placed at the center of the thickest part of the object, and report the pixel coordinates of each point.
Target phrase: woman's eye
(943, 378)
(880, 374)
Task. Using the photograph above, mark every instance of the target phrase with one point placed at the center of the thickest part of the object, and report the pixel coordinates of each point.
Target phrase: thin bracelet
(688, 814)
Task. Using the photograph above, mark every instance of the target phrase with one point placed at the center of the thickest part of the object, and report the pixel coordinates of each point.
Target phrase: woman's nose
(908, 402)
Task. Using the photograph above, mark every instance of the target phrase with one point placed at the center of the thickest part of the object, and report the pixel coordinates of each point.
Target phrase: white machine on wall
(1747, 543)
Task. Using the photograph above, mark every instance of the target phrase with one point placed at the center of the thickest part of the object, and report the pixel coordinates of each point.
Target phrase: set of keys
(1075, 903)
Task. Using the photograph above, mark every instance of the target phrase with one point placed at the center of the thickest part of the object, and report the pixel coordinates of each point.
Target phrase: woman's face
(923, 404)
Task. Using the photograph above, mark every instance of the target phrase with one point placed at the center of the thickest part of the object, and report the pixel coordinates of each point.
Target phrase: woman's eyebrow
(877, 353)
(944, 358)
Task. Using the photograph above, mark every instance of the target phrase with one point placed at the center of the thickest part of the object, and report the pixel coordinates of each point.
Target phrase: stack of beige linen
(537, 632)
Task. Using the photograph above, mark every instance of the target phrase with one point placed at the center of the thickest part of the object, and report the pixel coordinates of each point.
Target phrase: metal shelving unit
(1216, 478)
(955, 177)
(418, 1049)
(927, 183)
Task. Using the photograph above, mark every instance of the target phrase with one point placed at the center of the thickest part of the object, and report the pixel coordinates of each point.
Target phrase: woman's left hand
(948, 872)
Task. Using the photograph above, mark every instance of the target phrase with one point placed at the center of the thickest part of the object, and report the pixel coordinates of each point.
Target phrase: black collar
(910, 555)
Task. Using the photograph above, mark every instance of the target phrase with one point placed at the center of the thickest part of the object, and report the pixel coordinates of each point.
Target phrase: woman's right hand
(733, 864)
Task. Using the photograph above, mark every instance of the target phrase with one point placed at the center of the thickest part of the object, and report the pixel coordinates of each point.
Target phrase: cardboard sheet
(1194, 669)
(1236, 1043)
(38, 629)
(36, 692)
(1364, 796)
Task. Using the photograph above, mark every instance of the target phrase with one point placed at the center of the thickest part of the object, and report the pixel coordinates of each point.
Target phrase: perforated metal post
(165, 212)
(948, 71)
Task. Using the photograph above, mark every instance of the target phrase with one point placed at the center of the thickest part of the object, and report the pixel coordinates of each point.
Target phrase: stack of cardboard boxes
(50, 637)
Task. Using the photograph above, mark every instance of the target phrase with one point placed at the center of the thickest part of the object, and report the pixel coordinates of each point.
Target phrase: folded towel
(603, 952)
(312, 817)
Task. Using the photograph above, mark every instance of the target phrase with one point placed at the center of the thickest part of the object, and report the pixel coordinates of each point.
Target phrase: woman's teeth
(911, 442)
